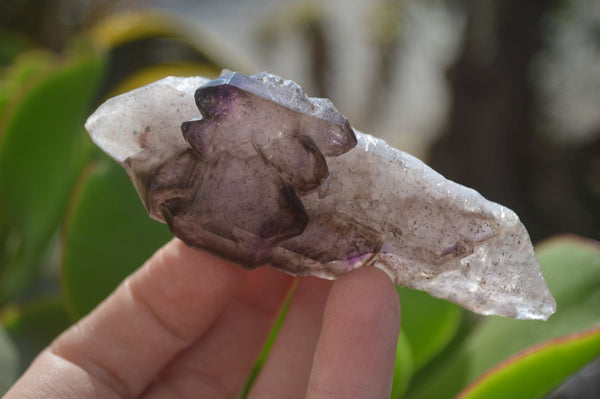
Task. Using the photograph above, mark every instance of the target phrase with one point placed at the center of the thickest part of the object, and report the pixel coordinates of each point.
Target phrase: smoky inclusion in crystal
(255, 171)
(263, 145)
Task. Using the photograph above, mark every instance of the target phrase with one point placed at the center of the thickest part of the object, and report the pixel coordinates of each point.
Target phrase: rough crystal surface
(269, 175)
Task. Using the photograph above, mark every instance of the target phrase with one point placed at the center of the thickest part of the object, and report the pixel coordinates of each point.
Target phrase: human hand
(190, 325)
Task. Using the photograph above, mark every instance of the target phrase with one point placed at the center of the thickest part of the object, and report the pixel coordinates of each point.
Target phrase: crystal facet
(268, 175)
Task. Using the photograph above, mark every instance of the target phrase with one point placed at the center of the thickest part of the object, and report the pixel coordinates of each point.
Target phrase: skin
(190, 325)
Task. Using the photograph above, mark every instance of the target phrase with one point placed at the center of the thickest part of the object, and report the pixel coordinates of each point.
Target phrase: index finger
(154, 314)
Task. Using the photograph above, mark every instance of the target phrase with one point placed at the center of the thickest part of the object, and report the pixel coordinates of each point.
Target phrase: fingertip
(177, 255)
(357, 347)
(372, 287)
(177, 265)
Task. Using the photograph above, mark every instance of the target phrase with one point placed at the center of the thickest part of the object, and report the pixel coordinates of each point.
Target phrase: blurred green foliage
(72, 227)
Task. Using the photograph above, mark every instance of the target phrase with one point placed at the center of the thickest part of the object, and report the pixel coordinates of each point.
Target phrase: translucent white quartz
(267, 175)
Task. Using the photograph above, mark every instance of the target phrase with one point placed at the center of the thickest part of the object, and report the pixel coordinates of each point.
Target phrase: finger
(153, 315)
(287, 369)
(51, 376)
(356, 350)
(218, 365)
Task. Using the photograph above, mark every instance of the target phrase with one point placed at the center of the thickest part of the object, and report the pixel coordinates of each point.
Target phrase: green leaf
(24, 73)
(571, 267)
(268, 345)
(403, 368)
(42, 149)
(442, 378)
(11, 44)
(9, 362)
(429, 323)
(536, 372)
(34, 327)
(108, 236)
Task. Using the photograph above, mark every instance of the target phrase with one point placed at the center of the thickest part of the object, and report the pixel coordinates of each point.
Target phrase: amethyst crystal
(268, 175)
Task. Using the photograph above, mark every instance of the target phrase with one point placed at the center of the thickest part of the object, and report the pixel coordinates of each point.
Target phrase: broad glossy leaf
(108, 236)
(429, 323)
(442, 378)
(537, 371)
(25, 72)
(42, 150)
(34, 326)
(403, 368)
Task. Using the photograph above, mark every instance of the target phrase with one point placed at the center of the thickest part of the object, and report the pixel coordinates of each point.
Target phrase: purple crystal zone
(261, 145)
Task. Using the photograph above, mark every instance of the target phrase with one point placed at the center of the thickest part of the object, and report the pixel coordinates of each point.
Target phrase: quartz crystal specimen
(263, 174)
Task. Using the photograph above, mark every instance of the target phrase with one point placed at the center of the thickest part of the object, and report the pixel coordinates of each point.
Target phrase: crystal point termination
(267, 175)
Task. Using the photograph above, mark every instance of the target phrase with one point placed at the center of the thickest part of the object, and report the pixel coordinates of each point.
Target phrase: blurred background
(499, 95)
